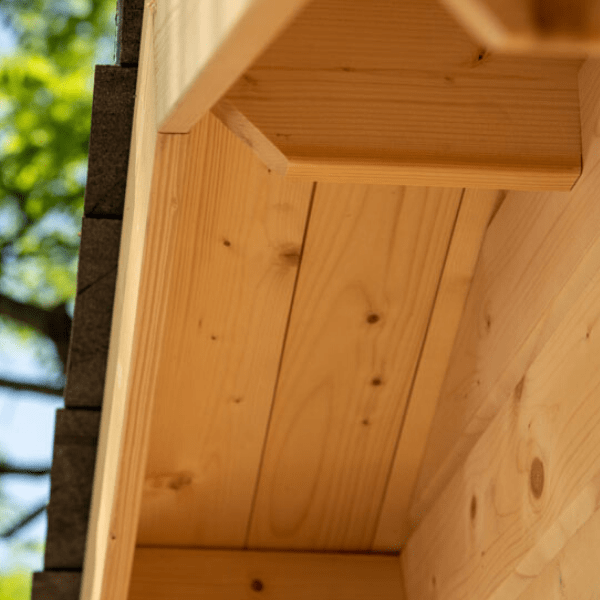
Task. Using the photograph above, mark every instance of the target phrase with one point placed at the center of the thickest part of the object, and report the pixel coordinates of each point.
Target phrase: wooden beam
(532, 248)
(476, 210)
(111, 536)
(161, 573)
(532, 479)
(393, 92)
(553, 27)
(203, 47)
(370, 270)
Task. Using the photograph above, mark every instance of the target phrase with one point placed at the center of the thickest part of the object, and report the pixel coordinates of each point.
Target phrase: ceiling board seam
(283, 345)
(416, 370)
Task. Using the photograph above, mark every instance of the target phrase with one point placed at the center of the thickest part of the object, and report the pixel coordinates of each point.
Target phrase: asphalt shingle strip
(110, 137)
(56, 585)
(75, 442)
(129, 27)
(96, 281)
(77, 426)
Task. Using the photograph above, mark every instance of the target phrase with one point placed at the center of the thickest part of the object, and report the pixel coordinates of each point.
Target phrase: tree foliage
(45, 113)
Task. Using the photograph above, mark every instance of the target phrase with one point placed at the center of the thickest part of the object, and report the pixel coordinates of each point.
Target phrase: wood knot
(473, 509)
(536, 478)
(376, 381)
(290, 256)
(372, 318)
(257, 585)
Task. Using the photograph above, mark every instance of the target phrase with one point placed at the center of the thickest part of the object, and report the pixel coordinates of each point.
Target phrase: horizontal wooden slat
(395, 92)
(370, 270)
(201, 48)
(161, 573)
(533, 246)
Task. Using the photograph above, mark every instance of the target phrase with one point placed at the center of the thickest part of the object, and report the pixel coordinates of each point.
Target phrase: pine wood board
(187, 574)
(532, 248)
(370, 271)
(237, 244)
(476, 210)
(108, 557)
(394, 92)
(573, 574)
(533, 478)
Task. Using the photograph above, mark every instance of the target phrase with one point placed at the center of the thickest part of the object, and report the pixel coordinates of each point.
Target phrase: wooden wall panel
(573, 574)
(533, 478)
(529, 476)
(369, 275)
(237, 236)
(160, 573)
(532, 248)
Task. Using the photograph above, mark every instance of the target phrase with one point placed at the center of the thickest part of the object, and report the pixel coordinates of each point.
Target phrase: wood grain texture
(108, 556)
(238, 241)
(476, 210)
(396, 93)
(532, 248)
(188, 574)
(552, 27)
(370, 270)
(201, 48)
(573, 574)
(533, 478)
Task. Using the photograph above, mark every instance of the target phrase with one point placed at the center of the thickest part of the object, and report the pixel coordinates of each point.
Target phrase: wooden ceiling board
(237, 238)
(369, 274)
(476, 210)
(394, 91)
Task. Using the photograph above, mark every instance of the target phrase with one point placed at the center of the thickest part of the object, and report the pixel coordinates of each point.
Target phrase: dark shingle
(75, 441)
(96, 281)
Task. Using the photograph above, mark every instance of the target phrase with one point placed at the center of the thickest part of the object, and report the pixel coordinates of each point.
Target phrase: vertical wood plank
(369, 275)
(476, 209)
(237, 238)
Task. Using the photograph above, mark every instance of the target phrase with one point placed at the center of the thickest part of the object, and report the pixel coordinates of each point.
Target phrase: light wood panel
(532, 248)
(533, 478)
(573, 574)
(476, 210)
(203, 47)
(239, 234)
(111, 535)
(552, 27)
(161, 573)
(370, 270)
(391, 91)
